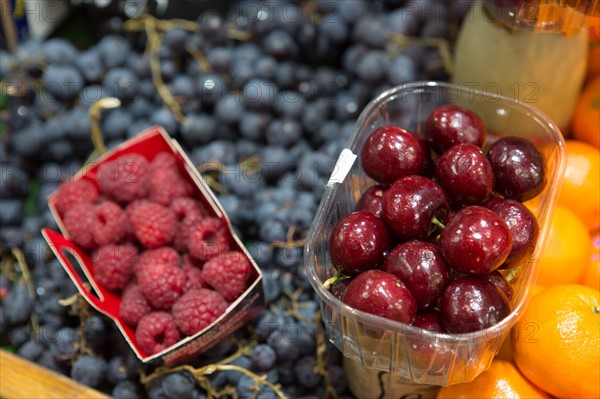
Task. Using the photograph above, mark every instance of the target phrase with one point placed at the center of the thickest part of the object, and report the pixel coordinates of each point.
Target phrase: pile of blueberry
(262, 98)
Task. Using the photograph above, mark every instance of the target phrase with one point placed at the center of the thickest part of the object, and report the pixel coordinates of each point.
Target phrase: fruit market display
(263, 98)
(436, 243)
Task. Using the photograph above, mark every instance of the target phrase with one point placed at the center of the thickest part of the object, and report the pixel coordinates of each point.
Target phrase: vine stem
(201, 373)
(94, 114)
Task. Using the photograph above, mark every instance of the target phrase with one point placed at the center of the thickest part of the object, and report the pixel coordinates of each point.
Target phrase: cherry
(518, 168)
(410, 204)
(466, 174)
(358, 243)
(339, 288)
(450, 124)
(391, 152)
(501, 283)
(421, 268)
(430, 320)
(382, 294)
(476, 241)
(472, 303)
(523, 227)
(371, 200)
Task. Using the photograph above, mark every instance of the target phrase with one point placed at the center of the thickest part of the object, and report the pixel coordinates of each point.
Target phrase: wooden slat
(20, 378)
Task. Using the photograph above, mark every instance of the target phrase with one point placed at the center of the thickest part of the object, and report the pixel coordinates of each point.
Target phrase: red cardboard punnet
(149, 143)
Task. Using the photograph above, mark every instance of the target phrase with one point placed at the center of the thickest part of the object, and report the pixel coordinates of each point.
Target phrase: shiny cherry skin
(382, 294)
(501, 283)
(523, 227)
(476, 241)
(472, 303)
(451, 124)
(359, 242)
(466, 174)
(430, 320)
(391, 152)
(371, 200)
(518, 167)
(339, 288)
(410, 204)
(421, 268)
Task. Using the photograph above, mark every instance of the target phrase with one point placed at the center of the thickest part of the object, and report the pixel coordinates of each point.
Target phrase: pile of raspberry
(154, 244)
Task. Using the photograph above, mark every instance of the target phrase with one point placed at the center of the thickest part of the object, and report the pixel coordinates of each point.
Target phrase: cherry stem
(437, 222)
(331, 281)
(596, 309)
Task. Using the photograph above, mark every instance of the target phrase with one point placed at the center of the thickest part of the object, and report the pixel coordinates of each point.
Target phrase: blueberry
(18, 304)
(89, 370)
(305, 372)
(178, 386)
(113, 50)
(234, 376)
(127, 390)
(283, 341)
(31, 350)
(263, 357)
(63, 82)
(90, 65)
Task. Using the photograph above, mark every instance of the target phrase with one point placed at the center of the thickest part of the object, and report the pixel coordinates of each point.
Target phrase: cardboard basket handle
(59, 244)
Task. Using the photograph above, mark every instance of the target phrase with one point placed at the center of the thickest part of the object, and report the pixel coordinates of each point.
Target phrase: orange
(556, 343)
(591, 277)
(502, 380)
(567, 251)
(581, 184)
(586, 119)
(593, 62)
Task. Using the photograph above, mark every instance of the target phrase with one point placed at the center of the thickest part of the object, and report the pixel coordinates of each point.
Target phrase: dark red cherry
(339, 288)
(410, 204)
(430, 320)
(450, 124)
(523, 227)
(358, 243)
(476, 241)
(371, 200)
(471, 304)
(518, 168)
(421, 268)
(391, 152)
(501, 283)
(466, 174)
(382, 294)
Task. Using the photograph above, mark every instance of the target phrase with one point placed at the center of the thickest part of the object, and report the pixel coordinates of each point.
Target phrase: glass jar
(533, 51)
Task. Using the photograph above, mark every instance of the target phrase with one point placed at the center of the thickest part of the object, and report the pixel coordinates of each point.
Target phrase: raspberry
(208, 239)
(165, 256)
(163, 160)
(197, 309)
(126, 178)
(153, 224)
(110, 223)
(75, 192)
(161, 284)
(113, 265)
(134, 305)
(79, 222)
(192, 274)
(168, 184)
(189, 212)
(156, 332)
(228, 274)
(185, 206)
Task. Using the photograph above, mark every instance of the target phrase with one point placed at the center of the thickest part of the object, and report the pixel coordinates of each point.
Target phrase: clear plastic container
(374, 342)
